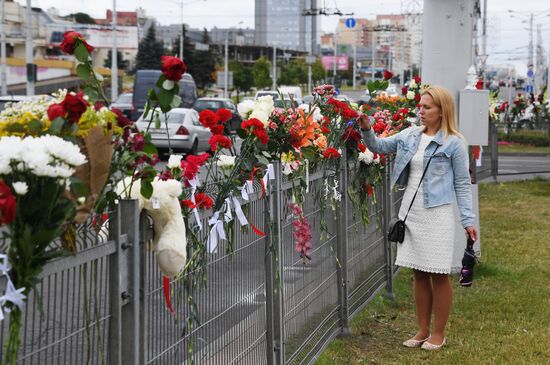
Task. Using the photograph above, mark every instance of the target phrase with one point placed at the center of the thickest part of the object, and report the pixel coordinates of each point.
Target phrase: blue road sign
(529, 88)
(530, 73)
(350, 23)
(336, 91)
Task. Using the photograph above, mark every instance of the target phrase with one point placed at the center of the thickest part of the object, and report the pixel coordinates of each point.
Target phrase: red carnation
(379, 127)
(370, 190)
(348, 113)
(173, 68)
(203, 201)
(331, 153)
(70, 42)
(192, 163)
(56, 111)
(387, 74)
(188, 203)
(417, 79)
(256, 123)
(219, 141)
(351, 134)
(217, 129)
(75, 105)
(261, 134)
(361, 147)
(208, 118)
(224, 115)
(138, 142)
(7, 204)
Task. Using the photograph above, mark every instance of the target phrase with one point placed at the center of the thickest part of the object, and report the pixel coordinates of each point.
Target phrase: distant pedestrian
(429, 241)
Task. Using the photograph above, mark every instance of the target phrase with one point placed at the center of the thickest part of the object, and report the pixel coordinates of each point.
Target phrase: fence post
(386, 217)
(342, 246)
(274, 272)
(124, 266)
(144, 285)
(493, 140)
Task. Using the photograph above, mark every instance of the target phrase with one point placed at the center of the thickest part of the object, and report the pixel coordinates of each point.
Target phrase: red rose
(166, 175)
(173, 67)
(122, 120)
(387, 74)
(208, 118)
(404, 90)
(479, 84)
(188, 203)
(203, 201)
(75, 105)
(417, 79)
(138, 142)
(417, 98)
(219, 141)
(224, 115)
(56, 111)
(331, 153)
(7, 204)
(70, 42)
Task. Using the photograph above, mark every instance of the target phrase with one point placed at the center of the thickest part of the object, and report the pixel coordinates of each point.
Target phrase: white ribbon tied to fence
(269, 174)
(217, 233)
(227, 215)
(12, 295)
(194, 183)
(239, 211)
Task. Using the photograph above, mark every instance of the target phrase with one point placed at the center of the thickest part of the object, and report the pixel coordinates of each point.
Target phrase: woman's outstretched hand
(364, 122)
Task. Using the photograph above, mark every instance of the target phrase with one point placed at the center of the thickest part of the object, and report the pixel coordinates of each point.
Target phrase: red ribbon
(256, 230)
(166, 289)
(252, 175)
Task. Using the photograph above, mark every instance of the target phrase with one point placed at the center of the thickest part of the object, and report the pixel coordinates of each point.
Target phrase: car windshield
(207, 104)
(275, 95)
(287, 103)
(173, 118)
(124, 99)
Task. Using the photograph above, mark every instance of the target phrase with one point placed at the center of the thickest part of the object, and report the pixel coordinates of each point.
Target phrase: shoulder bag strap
(418, 187)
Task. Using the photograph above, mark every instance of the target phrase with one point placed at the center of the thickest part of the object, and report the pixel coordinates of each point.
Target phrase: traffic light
(31, 72)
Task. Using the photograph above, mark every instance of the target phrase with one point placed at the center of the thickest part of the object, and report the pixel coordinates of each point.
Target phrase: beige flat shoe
(430, 346)
(414, 343)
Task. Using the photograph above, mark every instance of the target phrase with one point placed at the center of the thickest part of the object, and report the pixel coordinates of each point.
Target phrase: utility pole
(484, 44)
(372, 56)
(226, 66)
(335, 55)
(3, 69)
(182, 32)
(274, 84)
(354, 56)
(29, 58)
(114, 58)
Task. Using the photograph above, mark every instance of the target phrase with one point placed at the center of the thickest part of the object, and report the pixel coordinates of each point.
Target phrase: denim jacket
(447, 177)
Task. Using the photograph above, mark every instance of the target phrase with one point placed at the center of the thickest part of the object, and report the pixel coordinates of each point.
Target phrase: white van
(294, 91)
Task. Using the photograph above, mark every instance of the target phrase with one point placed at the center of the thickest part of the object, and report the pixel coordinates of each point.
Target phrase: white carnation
(245, 107)
(366, 157)
(174, 161)
(20, 187)
(410, 94)
(225, 161)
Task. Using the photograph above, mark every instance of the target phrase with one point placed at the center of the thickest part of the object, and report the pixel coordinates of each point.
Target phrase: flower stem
(13, 342)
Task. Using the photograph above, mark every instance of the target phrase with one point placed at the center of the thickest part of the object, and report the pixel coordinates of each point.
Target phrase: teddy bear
(169, 241)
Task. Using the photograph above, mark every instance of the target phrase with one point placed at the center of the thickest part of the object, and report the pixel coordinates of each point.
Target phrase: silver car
(182, 126)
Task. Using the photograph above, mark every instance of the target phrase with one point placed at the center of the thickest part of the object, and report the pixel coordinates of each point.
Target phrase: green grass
(520, 148)
(504, 318)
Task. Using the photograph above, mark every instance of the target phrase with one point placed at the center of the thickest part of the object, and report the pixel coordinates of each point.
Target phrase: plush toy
(169, 241)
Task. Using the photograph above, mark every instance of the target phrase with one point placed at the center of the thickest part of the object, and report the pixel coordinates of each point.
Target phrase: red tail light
(182, 131)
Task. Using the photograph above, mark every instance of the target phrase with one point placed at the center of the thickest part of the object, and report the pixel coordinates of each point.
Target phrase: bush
(534, 138)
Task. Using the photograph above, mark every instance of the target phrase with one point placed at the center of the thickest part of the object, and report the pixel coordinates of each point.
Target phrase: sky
(507, 41)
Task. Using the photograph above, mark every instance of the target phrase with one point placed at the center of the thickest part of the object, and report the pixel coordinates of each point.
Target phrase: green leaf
(266, 154)
(81, 53)
(308, 153)
(83, 71)
(35, 126)
(261, 159)
(78, 187)
(91, 92)
(241, 133)
(15, 128)
(160, 81)
(146, 189)
(56, 126)
(165, 99)
(150, 149)
(176, 101)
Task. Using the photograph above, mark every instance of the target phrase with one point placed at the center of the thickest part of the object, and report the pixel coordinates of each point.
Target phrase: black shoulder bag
(396, 229)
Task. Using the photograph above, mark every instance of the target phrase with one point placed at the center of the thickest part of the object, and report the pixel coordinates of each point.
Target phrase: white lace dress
(430, 233)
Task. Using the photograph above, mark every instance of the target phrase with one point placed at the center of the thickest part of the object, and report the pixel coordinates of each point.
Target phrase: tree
(188, 48)
(203, 64)
(150, 51)
(242, 77)
(293, 73)
(317, 71)
(122, 64)
(80, 18)
(260, 73)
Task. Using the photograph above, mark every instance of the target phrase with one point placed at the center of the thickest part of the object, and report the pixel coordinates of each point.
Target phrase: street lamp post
(274, 81)
(3, 71)
(226, 62)
(114, 58)
(29, 57)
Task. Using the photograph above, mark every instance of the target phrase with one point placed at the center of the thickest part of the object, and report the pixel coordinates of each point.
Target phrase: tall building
(281, 23)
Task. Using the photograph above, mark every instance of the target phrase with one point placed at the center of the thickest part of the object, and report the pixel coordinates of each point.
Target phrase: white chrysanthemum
(366, 157)
(63, 150)
(174, 161)
(20, 187)
(410, 94)
(261, 115)
(245, 107)
(225, 161)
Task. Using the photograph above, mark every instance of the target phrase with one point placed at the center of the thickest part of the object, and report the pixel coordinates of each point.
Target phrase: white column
(447, 42)
(114, 58)
(3, 67)
(29, 58)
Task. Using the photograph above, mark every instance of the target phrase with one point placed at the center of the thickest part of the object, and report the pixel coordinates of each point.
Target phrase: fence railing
(261, 304)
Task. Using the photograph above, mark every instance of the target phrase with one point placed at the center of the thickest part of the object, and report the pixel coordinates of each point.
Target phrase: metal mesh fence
(65, 320)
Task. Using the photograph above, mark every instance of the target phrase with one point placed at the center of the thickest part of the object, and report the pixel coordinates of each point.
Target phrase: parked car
(218, 103)
(17, 98)
(291, 91)
(182, 128)
(147, 79)
(273, 93)
(308, 99)
(285, 103)
(124, 104)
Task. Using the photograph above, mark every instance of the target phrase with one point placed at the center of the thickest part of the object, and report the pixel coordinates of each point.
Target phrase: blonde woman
(430, 226)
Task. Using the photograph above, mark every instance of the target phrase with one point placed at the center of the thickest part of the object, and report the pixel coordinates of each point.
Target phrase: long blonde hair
(445, 102)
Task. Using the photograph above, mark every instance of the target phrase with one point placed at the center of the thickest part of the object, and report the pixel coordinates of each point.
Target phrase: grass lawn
(520, 148)
(504, 318)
